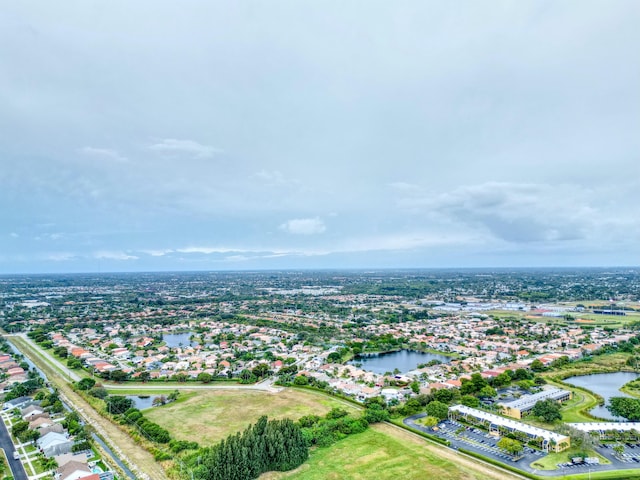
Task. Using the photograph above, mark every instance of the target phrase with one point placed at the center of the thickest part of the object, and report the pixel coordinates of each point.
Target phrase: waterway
(114, 457)
(17, 467)
(606, 385)
(403, 360)
(174, 340)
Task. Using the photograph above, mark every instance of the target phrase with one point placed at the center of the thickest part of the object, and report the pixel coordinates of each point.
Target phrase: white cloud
(407, 241)
(237, 258)
(304, 226)
(14, 235)
(114, 255)
(207, 250)
(104, 153)
(159, 252)
(189, 147)
(60, 256)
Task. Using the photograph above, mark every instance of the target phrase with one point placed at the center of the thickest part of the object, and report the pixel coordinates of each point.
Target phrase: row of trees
(266, 446)
(279, 445)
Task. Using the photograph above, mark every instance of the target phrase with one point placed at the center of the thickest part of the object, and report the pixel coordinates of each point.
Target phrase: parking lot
(631, 453)
(481, 442)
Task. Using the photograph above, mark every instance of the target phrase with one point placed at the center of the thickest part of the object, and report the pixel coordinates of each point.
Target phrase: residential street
(7, 445)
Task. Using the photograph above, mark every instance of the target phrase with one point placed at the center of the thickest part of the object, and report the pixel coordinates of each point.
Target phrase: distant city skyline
(162, 136)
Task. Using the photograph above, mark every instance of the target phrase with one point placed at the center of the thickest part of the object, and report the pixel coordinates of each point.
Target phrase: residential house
(54, 444)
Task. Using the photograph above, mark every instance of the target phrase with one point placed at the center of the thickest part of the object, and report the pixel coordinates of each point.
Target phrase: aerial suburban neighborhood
(488, 377)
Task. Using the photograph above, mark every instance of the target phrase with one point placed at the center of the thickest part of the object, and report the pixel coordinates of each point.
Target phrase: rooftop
(509, 423)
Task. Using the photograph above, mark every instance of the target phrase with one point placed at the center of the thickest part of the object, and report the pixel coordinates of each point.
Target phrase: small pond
(606, 385)
(142, 401)
(403, 360)
(174, 340)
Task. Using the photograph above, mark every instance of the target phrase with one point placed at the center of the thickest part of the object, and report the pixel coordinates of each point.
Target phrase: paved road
(262, 387)
(50, 359)
(7, 445)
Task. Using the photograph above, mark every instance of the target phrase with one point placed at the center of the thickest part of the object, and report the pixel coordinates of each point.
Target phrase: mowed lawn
(382, 453)
(207, 416)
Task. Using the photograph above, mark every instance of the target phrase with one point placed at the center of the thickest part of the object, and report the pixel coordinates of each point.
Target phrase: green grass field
(381, 453)
(207, 416)
(551, 461)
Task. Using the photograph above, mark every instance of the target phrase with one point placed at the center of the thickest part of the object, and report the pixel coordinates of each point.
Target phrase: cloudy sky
(184, 135)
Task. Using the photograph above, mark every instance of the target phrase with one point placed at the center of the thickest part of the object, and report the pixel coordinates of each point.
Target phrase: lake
(403, 360)
(178, 339)
(142, 401)
(606, 385)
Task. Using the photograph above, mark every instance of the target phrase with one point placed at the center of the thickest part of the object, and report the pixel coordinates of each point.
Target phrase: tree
(526, 384)
(470, 401)
(118, 376)
(618, 449)
(117, 404)
(86, 384)
(180, 377)
(628, 408)
(579, 439)
(487, 392)
(548, 410)
(268, 445)
(537, 366)
(445, 395)
(173, 396)
(522, 374)
(336, 412)
(334, 357)
(509, 445)
(472, 385)
(99, 392)
(376, 413)
(261, 370)
(204, 377)
(437, 409)
(74, 363)
(246, 376)
(19, 427)
(501, 380)
(430, 422)
(415, 387)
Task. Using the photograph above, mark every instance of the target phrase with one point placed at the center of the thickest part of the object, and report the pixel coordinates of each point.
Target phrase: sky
(213, 135)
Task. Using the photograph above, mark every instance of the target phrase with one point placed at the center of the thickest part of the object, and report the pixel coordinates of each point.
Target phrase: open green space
(611, 362)
(207, 416)
(582, 401)
(551, 461)
(382, 453)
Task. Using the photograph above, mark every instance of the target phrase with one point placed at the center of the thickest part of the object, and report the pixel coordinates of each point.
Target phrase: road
(65, 372)
(264, 386)
(7, 445)
(139, 461)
